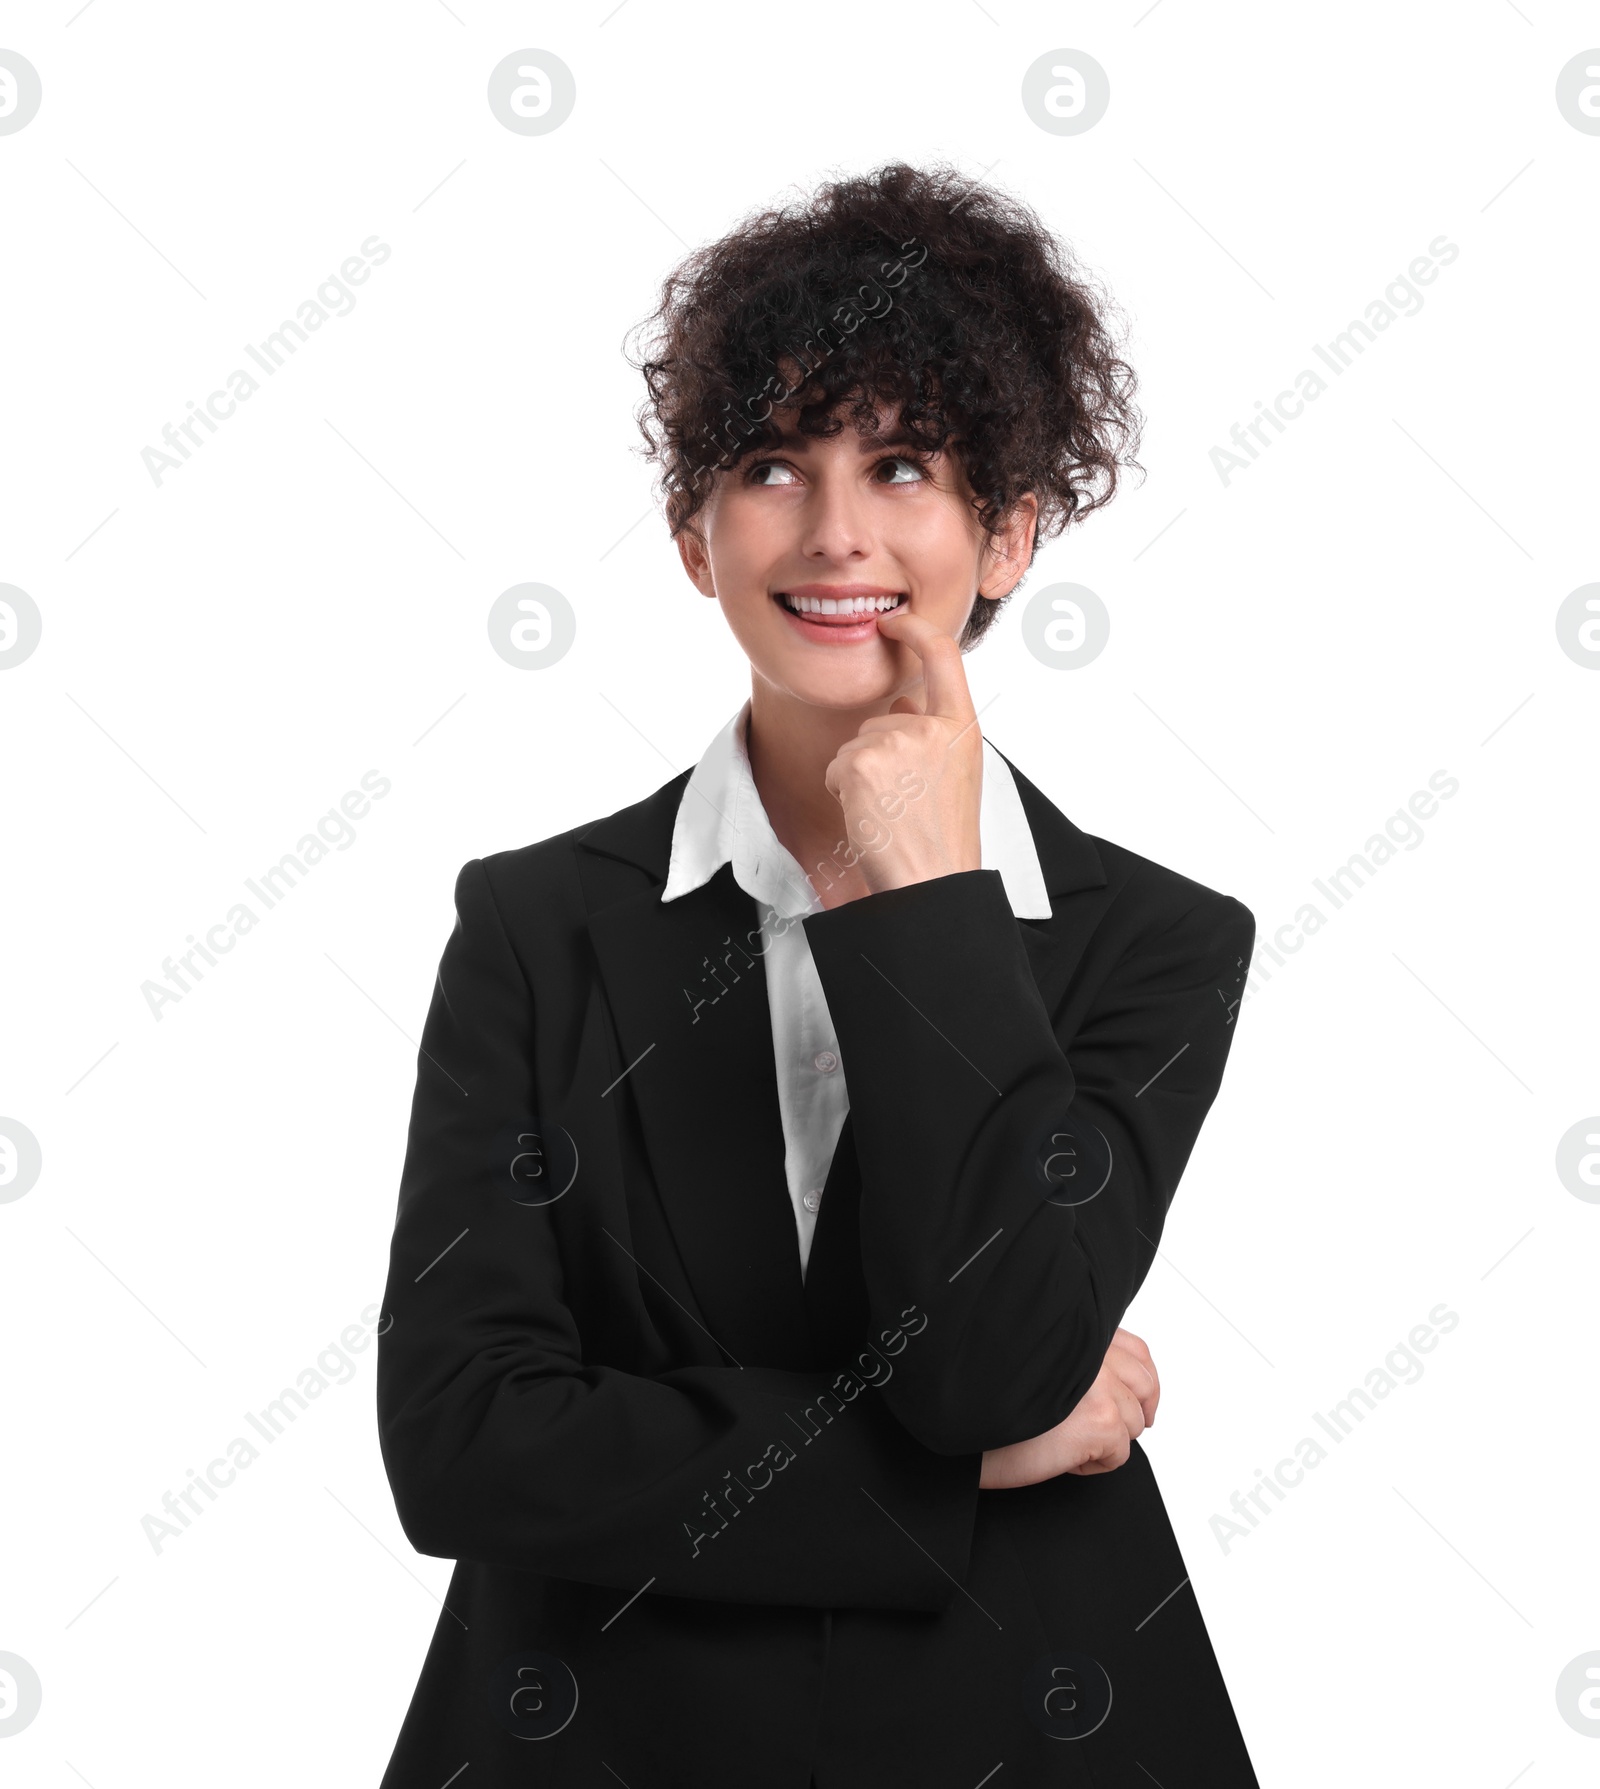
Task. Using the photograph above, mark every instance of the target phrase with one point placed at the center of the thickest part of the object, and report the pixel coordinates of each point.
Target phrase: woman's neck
(791, 744)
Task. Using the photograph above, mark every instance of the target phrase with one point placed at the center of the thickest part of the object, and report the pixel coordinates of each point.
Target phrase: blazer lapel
(690, 1004)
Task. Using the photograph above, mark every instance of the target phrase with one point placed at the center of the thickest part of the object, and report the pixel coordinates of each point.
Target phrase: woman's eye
(916, 474)
(769, 466)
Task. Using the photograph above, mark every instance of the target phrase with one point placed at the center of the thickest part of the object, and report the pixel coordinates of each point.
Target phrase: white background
(224, 655)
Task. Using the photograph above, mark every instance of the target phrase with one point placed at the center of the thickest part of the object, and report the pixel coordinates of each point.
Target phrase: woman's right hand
(1097, 1436)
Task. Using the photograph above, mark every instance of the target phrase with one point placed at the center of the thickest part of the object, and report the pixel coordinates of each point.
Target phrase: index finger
(943, 676)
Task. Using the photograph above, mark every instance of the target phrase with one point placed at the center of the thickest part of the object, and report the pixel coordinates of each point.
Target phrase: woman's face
(805, 546)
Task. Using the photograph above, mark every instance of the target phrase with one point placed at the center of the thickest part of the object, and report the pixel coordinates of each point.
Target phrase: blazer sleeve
(1016, 1174)
(503, 1444)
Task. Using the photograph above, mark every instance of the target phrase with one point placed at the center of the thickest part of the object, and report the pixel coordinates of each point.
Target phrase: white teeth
(850, 605)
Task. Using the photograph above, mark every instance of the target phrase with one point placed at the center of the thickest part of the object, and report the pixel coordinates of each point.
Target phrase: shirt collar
(721, 820)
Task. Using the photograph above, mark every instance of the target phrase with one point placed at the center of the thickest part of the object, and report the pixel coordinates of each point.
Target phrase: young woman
(787, 1146)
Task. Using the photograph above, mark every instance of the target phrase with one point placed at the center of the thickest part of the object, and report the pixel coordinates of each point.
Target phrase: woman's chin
(847, 688)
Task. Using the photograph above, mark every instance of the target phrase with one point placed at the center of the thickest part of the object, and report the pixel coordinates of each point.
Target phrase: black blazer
(717, 1525)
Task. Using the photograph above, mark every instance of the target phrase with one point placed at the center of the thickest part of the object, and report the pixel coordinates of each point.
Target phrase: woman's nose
(836, 521)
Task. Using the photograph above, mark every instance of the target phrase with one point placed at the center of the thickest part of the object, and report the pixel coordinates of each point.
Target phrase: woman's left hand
(910, 780)
(1098, 1433)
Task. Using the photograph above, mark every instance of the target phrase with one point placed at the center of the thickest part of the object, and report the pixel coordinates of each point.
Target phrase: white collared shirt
(721, 820)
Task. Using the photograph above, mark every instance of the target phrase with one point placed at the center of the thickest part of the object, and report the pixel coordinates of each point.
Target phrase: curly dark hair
(915, 288)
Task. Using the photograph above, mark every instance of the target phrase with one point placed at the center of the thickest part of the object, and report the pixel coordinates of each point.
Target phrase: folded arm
(1015, 1179)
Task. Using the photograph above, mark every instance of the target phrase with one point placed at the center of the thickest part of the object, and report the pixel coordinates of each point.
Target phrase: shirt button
(825, 1062)
(811, 1201)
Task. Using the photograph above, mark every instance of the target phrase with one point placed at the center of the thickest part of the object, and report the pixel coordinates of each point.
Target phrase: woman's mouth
(838, 614)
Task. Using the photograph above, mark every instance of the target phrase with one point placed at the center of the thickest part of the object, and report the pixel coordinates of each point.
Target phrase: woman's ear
(696, 561)
(1008, 554)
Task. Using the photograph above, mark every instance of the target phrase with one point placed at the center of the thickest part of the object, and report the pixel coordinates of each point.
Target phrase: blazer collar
(641, 833)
